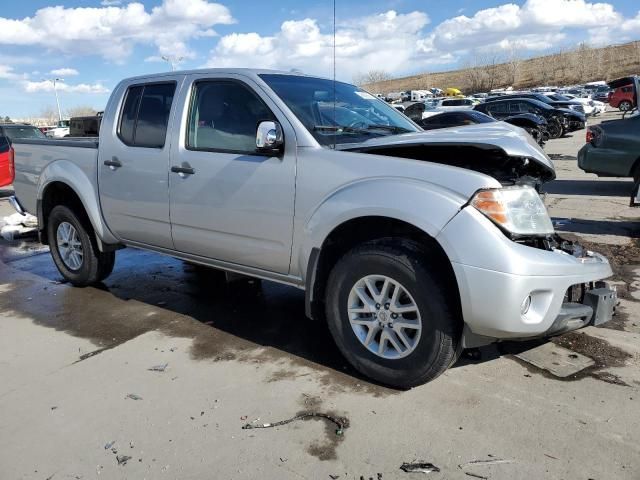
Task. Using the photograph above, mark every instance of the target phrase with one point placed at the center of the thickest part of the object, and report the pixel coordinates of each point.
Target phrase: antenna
(335, 133)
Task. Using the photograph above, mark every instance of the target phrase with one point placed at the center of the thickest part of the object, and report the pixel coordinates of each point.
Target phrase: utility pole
(55, 90)
(173, 61)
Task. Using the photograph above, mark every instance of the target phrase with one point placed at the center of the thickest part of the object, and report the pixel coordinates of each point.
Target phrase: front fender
(78, 180)
(426, 206)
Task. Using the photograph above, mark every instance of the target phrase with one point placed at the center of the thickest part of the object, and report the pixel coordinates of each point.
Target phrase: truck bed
(34, 156)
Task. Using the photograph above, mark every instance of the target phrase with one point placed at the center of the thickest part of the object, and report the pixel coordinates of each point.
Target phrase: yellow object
(453, 92)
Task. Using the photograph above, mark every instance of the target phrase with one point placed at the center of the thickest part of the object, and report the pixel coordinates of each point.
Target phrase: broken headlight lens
(519, 210)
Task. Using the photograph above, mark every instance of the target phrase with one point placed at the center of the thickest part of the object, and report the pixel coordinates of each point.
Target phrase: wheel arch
(358, 230)
(65, 183)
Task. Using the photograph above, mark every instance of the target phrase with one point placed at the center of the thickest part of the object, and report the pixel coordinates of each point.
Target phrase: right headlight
(519, 210)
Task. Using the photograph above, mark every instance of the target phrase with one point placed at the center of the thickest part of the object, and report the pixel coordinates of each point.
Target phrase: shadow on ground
(622, 228)
(602, 188)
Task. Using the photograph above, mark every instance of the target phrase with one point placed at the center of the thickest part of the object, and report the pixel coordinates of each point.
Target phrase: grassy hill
(579, 65)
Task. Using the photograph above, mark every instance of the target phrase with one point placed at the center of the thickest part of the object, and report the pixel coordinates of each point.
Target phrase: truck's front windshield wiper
(390, 128)
(368, 130)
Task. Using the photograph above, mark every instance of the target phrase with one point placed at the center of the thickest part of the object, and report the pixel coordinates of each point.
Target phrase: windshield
(23, 132)
(354, 117)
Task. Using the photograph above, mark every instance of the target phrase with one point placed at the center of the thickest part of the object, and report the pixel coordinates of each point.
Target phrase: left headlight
(519, 210)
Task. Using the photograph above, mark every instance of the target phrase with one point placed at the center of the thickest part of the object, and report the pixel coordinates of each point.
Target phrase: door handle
(113, 163)
(184, 168)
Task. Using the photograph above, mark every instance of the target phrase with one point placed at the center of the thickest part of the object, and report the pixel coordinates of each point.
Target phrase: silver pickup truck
(411, 245)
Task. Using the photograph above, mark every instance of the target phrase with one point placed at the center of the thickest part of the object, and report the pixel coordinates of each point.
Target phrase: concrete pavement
(244, 353)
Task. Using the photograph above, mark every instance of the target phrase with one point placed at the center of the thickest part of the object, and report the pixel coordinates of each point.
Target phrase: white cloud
(113, 31)
(536, 25)
(64, 72)
(389, 39)
(632, 25)
(110, 3)
(7, 73)
(570, 13)
(47, 86)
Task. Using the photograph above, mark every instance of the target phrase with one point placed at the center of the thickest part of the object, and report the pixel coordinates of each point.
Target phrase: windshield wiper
(368, 130)
(389, 128)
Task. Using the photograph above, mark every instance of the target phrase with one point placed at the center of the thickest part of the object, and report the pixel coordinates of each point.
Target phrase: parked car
(623, 98)
(454, 119)
(587, 106)
(411, 245)
(559, 120)
(456, 103)
(60, 130)
(541, 97)
(534, 124)
(8, 133)
(613, 147)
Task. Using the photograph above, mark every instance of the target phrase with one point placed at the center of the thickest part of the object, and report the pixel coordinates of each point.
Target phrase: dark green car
(613, 148)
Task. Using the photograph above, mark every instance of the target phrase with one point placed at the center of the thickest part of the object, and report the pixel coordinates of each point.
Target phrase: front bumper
(496, 275)
(576, 125)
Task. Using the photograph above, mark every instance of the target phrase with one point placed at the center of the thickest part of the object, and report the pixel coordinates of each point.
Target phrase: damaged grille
(554, 242)
(576, 293)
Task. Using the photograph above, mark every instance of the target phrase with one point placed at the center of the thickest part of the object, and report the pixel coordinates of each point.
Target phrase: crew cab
(411, 245)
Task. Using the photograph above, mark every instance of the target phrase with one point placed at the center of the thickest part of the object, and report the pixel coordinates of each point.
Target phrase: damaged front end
(502, 151)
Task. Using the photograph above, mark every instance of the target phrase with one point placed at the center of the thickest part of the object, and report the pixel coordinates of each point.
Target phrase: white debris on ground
(18, 226)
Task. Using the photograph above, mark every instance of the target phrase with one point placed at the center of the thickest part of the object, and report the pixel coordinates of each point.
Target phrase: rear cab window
(144, 115)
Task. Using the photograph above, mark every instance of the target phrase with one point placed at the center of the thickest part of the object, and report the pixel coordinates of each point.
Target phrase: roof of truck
(236, 71)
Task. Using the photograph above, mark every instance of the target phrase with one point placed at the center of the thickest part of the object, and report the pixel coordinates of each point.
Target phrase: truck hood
(504, 151)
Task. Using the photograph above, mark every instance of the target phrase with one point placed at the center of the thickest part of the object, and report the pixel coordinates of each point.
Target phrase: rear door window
(128, 114)
(145, 115)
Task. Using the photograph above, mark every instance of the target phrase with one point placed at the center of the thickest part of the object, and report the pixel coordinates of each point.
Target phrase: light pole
(173, 61)
(55, 90)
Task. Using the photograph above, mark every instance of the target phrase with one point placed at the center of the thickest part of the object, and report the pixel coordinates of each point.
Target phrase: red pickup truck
(623, 98)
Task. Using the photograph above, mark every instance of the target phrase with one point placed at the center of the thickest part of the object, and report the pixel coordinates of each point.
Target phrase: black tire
(401, 260)
(625, 106)
(95, 266)
(554, 129)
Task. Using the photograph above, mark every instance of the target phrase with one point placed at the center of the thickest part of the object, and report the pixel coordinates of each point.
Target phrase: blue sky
(94, 44)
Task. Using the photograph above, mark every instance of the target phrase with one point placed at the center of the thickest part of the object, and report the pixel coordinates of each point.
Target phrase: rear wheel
(74, 249)
(625, 106)
(389, 315)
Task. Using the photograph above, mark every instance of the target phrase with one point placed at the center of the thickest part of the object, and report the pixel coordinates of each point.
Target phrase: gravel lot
(75, 375)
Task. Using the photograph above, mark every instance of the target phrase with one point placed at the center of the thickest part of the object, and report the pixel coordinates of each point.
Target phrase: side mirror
(269, 137)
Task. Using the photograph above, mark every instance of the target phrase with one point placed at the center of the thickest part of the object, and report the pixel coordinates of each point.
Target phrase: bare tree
(372, 79)
(50, 115)
(511, 68)
(481, 73)
(81, 111)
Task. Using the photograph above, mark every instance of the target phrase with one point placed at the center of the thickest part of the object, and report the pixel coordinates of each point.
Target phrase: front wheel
(74, 249)
(389, 315)
(554, 129)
